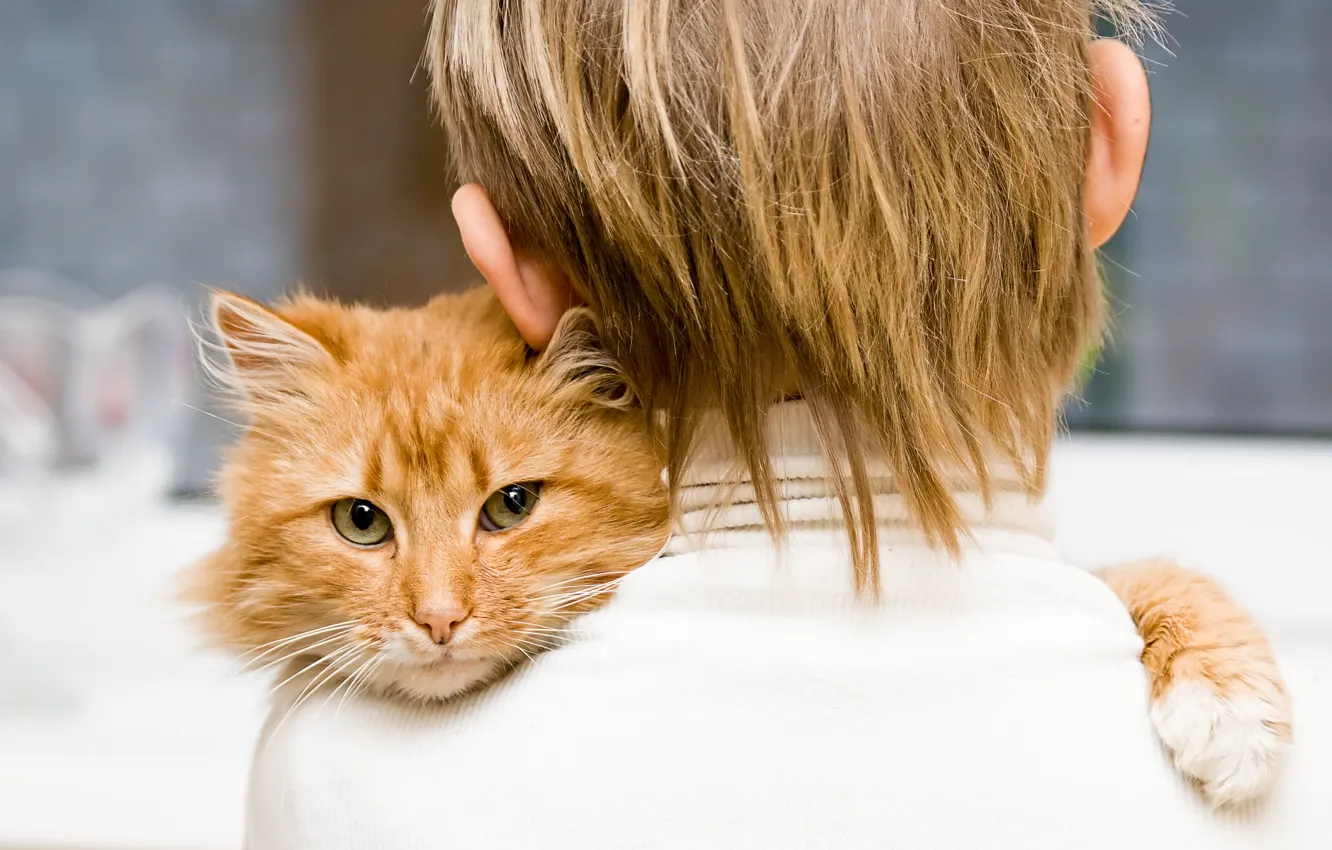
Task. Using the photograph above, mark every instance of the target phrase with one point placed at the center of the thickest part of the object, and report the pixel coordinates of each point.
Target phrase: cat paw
(1231, 745)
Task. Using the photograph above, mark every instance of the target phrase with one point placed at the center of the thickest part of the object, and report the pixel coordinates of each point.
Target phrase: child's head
(888, 207)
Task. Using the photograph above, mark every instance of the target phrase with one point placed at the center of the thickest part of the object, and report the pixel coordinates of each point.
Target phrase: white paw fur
(1230, 746)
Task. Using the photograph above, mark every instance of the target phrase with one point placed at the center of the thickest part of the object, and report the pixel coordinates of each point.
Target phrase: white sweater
(734, 697)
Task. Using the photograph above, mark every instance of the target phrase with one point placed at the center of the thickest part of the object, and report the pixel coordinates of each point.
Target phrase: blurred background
(152, 148)
(1220, 280)
(257, 143)
(249, 144)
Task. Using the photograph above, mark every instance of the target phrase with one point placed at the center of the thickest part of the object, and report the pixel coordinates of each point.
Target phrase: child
(889, 208)
(845, 249)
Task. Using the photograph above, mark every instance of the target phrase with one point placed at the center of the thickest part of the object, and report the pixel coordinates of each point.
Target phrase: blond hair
(875, 203)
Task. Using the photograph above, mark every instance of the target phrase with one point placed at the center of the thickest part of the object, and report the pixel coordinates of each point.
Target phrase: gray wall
(1225, 324)
(146, 141)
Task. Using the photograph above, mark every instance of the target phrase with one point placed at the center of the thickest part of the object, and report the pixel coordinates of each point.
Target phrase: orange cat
(420, 502)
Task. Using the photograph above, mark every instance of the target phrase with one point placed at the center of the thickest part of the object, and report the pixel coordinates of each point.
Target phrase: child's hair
(874, 203)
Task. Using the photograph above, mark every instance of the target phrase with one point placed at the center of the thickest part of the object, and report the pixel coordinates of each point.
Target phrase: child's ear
(534, 293)
(263, 350)
(1121, 122)
(578, 360)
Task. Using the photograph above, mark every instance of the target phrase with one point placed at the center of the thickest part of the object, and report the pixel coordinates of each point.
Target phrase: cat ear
(577, 359)
(262, 351)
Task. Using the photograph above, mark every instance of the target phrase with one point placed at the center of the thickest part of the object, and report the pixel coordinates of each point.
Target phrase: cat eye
(508, 506)
(360, 522)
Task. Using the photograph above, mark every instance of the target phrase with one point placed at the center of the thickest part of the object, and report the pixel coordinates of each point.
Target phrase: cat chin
(438, 681)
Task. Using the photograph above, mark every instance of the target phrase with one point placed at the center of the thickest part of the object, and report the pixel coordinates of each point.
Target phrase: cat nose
(441, 621)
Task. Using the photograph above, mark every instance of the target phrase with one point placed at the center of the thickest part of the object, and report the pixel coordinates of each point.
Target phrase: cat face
(419, 501)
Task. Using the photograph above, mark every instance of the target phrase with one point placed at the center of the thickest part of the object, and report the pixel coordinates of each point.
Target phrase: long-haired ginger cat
(419, 502)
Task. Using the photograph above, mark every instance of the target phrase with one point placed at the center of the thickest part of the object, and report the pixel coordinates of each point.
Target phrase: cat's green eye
(509, 506)
(360, 522)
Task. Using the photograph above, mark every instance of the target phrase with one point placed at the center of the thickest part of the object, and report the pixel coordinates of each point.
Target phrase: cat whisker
(559, 618)
(581, 592)
(243, 428)
(520, 647)
(266, 648)
(570, 594)
(337, 661)
(360, 680)
(360, 661)
(542, 641)
(346, 680)
(348, 659)
(312, 664)
(521, 641)
(554, 637)
(540, 647)
(583, 578)
(273, 691)
(570, 626)
(253, 665)
(555, 606)
(295, 653)
(366, 680)
(538, 627)
(574, 599)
